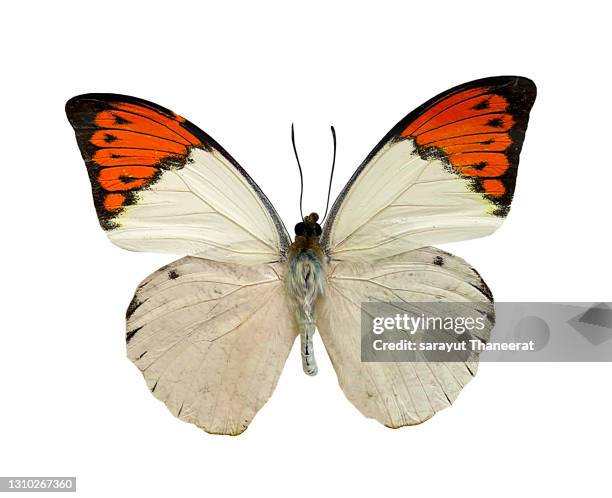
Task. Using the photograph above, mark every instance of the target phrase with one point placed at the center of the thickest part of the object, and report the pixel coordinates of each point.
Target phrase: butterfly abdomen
(305, 284)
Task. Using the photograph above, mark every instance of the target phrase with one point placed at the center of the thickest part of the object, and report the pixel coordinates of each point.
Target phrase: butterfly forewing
(446, 172)
(160, 184)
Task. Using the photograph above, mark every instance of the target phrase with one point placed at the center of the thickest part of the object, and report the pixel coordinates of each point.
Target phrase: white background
(71, 402)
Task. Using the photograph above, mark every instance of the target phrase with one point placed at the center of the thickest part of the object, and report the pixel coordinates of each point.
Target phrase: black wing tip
(523, 89)
(78, 102)
(88, 103)
(524, 86)
(522, 82)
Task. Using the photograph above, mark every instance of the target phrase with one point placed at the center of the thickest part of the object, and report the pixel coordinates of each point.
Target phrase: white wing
(397, 393)
(446, 172)
(211, 339)
(161, 184)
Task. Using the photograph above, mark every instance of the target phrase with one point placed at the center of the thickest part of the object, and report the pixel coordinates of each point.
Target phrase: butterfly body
(306, 284)
(211, 331)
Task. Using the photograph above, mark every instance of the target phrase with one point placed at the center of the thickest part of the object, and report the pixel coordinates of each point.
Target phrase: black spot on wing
(173, 274)
(482, 286)
(134, 304)
(483, 104)
(438, 261)
(129, 335)
(109, 138)
(126, 178)
(120, 120)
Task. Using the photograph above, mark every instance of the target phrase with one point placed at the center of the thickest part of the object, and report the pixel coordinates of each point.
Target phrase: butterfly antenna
(300, 168)
(331, 176)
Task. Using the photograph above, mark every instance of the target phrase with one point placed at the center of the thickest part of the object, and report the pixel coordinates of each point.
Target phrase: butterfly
(211, 331)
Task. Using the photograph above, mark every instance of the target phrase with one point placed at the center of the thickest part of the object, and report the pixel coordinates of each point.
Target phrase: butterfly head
(309, 228)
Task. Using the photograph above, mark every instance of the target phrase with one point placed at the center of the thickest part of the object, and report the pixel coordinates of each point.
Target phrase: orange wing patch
(126, 145)
(471, 130)
(114, 202)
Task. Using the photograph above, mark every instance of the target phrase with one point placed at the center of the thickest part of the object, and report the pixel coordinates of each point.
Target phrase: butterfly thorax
(306, 283)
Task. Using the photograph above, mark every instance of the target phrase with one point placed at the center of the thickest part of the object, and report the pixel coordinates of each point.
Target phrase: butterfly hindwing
(403, 392)
(444, 173)
(211, 339)
(161, 184)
